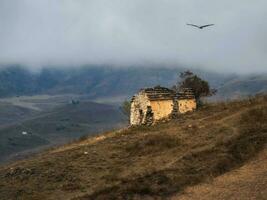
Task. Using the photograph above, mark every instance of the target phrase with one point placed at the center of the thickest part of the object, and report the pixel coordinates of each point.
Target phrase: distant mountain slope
(57, 126)
(94, 81)
(243, 86)
(97, 82)
(155, 162)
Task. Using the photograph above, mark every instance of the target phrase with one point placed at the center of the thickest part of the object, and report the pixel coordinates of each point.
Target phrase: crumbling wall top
(159, 93)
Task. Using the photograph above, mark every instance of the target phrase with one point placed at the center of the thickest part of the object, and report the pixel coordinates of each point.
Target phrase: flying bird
(200, 27)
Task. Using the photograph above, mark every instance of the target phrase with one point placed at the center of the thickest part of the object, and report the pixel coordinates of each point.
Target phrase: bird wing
(207, 25)
(193, 25)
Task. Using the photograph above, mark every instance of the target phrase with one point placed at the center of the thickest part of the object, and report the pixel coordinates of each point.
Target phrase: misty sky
(135, 32)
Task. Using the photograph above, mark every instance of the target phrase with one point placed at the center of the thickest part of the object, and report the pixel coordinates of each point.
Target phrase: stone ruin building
(154, 104)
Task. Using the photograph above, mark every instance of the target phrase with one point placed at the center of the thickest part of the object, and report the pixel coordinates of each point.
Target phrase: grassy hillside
(10, 114)
(158, 162)
(246, 183)
(57, 126)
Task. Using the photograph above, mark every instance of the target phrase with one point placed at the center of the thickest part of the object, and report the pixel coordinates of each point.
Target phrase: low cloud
(141, 32)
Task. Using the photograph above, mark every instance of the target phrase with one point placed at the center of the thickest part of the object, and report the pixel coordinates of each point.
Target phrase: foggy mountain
(103, 81)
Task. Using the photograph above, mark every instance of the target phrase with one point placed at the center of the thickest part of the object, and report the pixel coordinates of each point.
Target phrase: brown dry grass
(247, 183)
(145, 162)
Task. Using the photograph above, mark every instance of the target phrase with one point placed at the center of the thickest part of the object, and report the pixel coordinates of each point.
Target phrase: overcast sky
(135, 32)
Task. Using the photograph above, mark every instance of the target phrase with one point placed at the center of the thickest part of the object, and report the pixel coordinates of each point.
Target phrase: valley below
(29, 124)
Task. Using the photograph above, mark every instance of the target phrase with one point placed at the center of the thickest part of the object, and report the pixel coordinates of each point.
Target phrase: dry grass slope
(247, 182)
(158, 162)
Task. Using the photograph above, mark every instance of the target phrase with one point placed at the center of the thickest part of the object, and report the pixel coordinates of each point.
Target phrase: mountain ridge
(101, 81)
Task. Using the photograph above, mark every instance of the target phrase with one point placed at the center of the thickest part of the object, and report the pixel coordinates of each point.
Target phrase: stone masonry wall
(139, 109)
(161, 108)
(187, 105)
